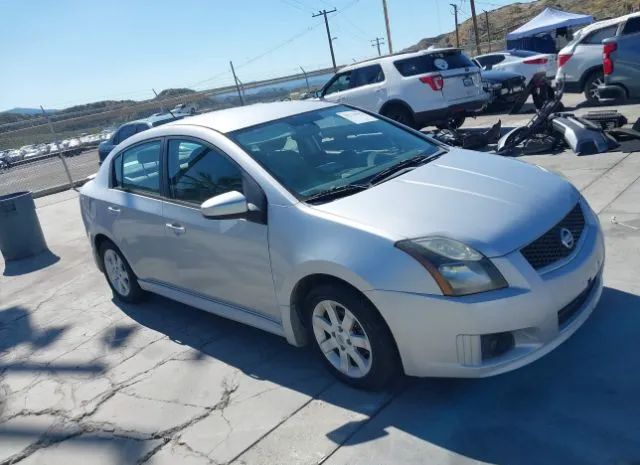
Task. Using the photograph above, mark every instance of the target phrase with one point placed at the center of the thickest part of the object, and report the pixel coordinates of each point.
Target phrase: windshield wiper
(335, 192)
(408, 163)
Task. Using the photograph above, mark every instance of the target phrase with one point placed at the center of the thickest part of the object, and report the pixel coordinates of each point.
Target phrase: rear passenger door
(134, 211)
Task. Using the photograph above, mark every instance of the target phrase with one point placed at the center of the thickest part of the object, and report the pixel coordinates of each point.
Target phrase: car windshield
(329, 149)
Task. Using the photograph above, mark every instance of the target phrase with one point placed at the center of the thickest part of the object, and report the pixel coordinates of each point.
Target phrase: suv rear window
(433, 62)
(632, 26)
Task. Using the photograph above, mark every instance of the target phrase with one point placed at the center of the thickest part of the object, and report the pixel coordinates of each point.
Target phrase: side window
(339, 83)
(367, 75)
(596, 37)
(141, 127)
(197, 172)
(632, 26)
(124, 133)
(138, 168)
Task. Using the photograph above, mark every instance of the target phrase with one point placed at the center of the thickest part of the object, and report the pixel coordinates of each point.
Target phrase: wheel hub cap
(342, 339)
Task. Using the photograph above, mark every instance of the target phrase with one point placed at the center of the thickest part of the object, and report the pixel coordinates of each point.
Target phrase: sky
(67, 52)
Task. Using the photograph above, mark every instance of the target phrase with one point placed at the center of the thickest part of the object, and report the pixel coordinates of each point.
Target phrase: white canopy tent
(549, 20)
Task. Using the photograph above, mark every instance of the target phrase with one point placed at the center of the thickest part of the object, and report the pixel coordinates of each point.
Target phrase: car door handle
(175, 227)
(113, 209)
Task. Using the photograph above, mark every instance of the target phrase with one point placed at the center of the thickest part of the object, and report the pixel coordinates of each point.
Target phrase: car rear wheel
(120, 276)
(351, 337)
(591, 87)
(400, 114)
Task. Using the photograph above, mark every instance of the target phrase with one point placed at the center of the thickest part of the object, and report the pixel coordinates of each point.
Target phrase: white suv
(580, 61)
(429, 87)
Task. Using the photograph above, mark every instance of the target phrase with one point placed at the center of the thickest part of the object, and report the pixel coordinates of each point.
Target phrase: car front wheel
(120, 276)
(351, 337)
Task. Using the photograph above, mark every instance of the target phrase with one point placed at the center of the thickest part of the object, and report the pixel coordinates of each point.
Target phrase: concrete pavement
(86, 379)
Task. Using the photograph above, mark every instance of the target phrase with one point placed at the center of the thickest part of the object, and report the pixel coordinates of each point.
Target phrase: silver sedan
(386, 251)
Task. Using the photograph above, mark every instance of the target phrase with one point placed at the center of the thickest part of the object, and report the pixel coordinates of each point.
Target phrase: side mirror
(229, 204)
(318, 93)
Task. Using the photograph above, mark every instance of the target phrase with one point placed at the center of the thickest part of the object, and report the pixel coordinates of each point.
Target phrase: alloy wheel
(117, 272)
(342, 339)
(593, 90)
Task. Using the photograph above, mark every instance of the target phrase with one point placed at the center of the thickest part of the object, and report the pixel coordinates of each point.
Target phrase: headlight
(457, 268)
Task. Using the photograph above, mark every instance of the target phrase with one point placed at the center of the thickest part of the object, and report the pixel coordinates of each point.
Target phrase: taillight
(563, 58)
(536, 61)
(607, 63)
(435, 82)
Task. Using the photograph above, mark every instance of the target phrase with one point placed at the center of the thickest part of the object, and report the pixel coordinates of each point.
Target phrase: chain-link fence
(52, 152)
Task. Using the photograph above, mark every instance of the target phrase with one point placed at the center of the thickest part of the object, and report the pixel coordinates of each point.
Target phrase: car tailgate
(461, 84)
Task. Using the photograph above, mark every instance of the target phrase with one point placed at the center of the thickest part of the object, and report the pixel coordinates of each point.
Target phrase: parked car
(337, 227)
(129, 129)
(580, 61)
(429, 87)
(504, 88)
(621, 65)
(185, 109)
(14, 155)
(537, 68)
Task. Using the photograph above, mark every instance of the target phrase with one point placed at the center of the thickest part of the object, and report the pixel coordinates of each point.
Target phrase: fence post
(57, 142)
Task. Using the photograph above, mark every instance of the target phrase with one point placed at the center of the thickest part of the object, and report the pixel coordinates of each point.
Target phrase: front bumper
(442, 336)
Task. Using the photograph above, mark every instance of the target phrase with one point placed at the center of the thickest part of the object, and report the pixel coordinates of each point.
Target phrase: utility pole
(486, 18)
(455, 14)
(386, 22)
(326, 23)
(376, 43)
(475, 25)
(237, 81)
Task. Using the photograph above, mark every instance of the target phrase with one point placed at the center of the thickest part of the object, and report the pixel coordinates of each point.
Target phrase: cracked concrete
(85, 379)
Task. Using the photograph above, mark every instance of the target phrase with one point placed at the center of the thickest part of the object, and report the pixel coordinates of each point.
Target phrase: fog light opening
(495, 345)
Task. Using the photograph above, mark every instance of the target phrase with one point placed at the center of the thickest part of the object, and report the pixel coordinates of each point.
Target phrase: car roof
(607, 22)
(396, 57)
(232, 119)
(151, 119)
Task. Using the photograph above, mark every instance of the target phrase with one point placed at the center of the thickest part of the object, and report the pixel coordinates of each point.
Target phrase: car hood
(493, 204)
(499, 76)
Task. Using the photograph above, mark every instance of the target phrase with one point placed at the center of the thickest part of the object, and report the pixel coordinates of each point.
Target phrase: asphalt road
(48, 173)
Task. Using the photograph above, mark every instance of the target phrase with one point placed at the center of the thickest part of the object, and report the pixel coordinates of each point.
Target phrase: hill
(27, 111)
(507, 18)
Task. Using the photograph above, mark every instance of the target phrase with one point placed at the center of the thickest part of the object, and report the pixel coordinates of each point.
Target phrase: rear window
(432, 62)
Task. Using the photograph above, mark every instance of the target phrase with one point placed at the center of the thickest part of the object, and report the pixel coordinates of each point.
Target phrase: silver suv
(580, 61)
(429, 87)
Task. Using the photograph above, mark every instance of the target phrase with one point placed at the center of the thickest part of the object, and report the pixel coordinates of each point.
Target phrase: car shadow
(576, 405)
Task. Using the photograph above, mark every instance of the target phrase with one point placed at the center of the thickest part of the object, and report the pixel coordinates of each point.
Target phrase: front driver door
(226, 260)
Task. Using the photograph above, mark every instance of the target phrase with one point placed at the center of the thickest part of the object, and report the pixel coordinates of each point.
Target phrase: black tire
(542, 95)
(452, 122)
(385, 363)
(135, 293)
(400, 114)
(590, 87)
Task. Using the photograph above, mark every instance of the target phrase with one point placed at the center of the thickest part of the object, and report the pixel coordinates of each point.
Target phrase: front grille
(548, 248)
(567, 313)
